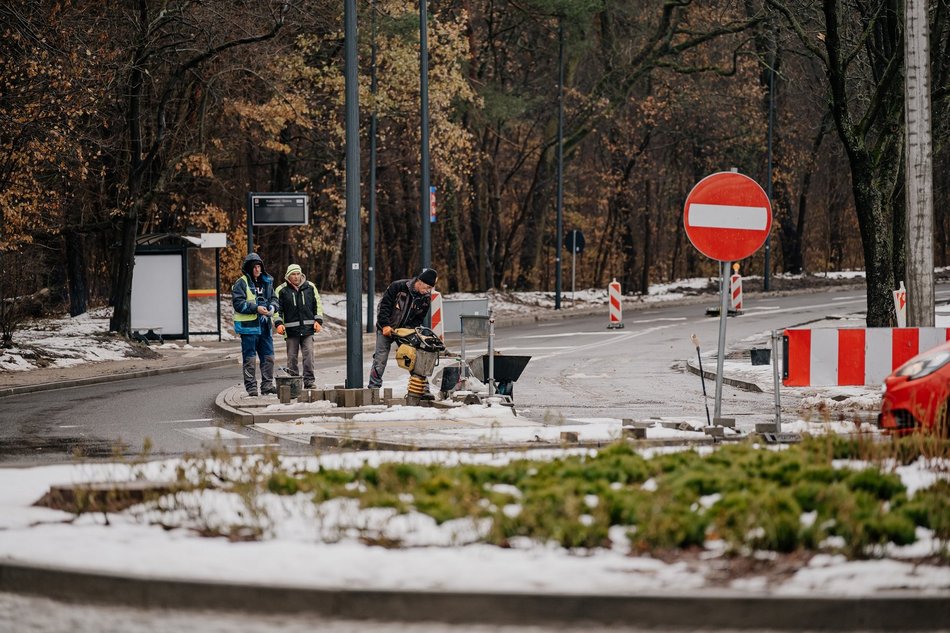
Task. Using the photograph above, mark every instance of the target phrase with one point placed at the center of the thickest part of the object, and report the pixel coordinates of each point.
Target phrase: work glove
(387, 331)
(281, 329)
(263, 311)
(317, 327)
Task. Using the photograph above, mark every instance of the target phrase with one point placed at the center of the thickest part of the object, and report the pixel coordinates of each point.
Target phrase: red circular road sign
(727, 216)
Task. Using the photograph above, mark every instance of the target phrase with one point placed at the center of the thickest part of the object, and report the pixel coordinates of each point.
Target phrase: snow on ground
(324, 546)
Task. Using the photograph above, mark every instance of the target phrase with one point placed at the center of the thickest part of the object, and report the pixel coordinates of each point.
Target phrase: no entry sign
(727, 216)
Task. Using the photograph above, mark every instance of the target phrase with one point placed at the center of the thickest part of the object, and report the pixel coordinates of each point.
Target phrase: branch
(800, 31)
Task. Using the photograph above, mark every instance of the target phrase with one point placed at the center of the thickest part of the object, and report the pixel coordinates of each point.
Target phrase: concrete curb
(733, 382)
(334, 346)
(702, 609)
(95, 380)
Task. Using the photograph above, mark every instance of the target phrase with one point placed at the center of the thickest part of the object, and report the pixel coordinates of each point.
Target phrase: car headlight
(924, 365)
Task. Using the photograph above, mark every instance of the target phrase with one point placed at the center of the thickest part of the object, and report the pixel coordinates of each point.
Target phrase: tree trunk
(75, 273)
(535, 225)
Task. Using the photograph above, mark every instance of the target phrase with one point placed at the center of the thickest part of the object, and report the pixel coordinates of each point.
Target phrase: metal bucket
(761, 356)
(295, 383)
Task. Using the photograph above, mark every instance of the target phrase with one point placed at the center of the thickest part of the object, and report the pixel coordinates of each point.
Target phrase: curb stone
(699, 609)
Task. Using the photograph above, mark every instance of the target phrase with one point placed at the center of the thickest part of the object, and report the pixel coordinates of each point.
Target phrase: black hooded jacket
(402, 306)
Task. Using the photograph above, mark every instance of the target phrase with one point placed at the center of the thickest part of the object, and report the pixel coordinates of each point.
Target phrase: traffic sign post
(575, 242)
(727, 217)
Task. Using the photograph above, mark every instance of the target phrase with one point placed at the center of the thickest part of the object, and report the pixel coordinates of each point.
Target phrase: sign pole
(573, 273)
(217, 287)
(250, 227)
(720, 357)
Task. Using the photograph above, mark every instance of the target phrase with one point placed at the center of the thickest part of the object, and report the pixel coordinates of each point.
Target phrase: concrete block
(714, 431)
(765, 427)
(569, 437)
(635, 432)
(349, 397)
(727, 422)
(374, 396)
(387, 393)
(283, 394)
(640, 424)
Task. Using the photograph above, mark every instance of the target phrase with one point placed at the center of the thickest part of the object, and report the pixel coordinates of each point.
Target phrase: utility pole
(371, 232)
(354, 277)
(918, 188)
(424, 116)
(560, 163)
(768, 240)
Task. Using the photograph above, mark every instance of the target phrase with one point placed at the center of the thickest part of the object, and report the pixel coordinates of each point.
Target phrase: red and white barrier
(735, 287)
(853, 356)
(435, 310)
(616, 307)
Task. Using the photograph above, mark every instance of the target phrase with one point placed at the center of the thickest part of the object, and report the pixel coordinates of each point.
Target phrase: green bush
(762, 496)
(769, 519)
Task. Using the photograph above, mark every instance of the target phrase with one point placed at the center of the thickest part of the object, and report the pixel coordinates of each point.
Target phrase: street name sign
(727, 216)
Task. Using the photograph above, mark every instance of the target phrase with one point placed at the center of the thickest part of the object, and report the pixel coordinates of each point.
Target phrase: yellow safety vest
(240, 316)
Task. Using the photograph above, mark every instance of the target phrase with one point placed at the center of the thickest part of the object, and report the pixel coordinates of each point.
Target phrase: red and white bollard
(735, 289)
(438, 326)
(616, 308)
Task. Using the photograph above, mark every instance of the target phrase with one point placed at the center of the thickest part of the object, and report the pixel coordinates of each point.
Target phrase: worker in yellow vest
(252, 296)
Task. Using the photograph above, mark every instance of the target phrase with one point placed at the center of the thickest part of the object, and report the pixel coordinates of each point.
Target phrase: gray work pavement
(705, 609)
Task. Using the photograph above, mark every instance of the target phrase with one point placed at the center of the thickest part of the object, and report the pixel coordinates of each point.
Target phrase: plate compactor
(418, 353)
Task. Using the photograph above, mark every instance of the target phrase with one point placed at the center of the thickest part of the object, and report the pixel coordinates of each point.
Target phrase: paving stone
(635, 432)
(283, 394)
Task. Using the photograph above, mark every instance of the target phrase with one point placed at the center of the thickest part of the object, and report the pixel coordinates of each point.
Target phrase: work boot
(252, 393)
(250, 376)
(310, 385)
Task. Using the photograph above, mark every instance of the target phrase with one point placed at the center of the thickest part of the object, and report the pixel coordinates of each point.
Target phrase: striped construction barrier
(852, 356)
(616, 307)
(735, 287)
(435, 308)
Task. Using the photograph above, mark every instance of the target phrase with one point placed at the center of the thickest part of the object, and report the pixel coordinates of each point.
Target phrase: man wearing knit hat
(404, 304)
(299, 316)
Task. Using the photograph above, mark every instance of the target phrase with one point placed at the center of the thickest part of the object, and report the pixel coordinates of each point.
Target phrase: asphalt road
(579, 369)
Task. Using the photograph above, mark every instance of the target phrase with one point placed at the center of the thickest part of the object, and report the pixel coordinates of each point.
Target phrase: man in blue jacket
(252, 296)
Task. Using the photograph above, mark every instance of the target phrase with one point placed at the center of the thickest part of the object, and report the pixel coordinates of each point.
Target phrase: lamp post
(560, 162)
(424, 116)
(371, 232)
(354, 333)
(768, 240)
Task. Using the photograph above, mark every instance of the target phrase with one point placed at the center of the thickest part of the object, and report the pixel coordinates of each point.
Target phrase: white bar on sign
(824, 357)
(724, 216)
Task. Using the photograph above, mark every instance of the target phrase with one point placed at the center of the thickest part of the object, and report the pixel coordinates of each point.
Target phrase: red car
(916, 395)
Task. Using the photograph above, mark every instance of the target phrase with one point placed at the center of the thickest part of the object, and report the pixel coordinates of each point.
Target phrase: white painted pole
(723, 315)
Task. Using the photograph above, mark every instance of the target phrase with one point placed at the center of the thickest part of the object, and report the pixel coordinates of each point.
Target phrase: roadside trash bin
(295, 383)
(761, 356)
